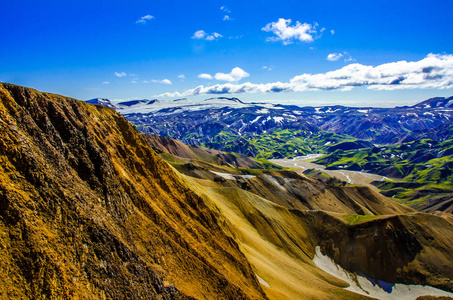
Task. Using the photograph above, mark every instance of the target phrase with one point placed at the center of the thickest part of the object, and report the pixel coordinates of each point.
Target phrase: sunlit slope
(278, 219)
(89, 211)
(276, 243)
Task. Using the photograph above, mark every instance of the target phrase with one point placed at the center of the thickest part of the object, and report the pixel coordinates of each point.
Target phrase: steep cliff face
(89, 211)
(410, 248)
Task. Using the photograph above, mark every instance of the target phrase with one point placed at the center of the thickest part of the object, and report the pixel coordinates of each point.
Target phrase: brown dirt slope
(279, 218)
(89, 211)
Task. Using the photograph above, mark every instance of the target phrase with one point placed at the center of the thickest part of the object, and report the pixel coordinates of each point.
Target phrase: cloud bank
(434, 71)
(287, 34)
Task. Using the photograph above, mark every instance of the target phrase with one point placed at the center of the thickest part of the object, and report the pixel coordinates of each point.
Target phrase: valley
(226, 150)
(408, 147)
(305, 163)
(93, 209)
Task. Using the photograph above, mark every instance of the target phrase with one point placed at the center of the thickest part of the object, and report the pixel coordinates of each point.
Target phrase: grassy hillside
(421, 169)
(277, 143)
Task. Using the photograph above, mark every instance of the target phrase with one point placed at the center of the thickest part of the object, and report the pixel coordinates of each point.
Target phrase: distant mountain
(229, 124)
(438, 102)
(136, 102)
(102, 101)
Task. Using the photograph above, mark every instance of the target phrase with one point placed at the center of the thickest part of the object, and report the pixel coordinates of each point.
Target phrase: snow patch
(262, 111)
(255, 120)
(278, 119)
(375, 288)
(262, 281)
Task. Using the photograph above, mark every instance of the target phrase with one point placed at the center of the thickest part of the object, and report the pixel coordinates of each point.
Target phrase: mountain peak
(436, 102)
(102, 101)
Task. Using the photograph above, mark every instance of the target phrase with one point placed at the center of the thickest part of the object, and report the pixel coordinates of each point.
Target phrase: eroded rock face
(88, 210)
(410, 249)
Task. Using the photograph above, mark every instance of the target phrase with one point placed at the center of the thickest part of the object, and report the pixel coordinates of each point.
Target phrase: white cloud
(225, 9)
(266, 68)
(205, 76)
(288, 34)
(334, 56)
(120, 74)
(227, 18)
(133, 81)
(202, 35)
(435, 71)
(144, 19)
(332, 32)
(106, 82)
(182, 76)
(337, 56)
(164, 81)
(236, 74)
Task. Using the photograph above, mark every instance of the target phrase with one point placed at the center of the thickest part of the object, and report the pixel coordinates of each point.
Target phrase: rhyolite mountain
(229, 124)
(278, 217)
(88, 210)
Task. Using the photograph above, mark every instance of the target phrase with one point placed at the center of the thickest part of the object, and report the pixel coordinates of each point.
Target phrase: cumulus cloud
(287, 34)
(182, 76)
(433, 72)
(236, 74)
(227, 18)
(120, 74)
(334, 56)
(144, 19)
(205, 76)
(202, 35)
(332, 32)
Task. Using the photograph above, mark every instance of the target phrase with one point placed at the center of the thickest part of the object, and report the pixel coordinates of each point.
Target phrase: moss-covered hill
(422, 170)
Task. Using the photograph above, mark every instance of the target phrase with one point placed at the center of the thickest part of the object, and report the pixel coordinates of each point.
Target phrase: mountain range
(231, 125)
(90, 208)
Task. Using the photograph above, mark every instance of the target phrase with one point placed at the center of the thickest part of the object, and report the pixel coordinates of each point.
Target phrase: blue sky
(380, 53)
